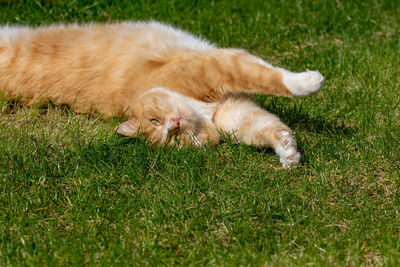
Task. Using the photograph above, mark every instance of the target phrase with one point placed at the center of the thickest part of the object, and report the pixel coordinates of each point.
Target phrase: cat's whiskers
(194, 138)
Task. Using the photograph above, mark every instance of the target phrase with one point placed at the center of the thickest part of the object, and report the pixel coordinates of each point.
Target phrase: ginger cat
(167, 83)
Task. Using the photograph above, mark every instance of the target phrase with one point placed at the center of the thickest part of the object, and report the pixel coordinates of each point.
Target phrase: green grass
(72, 192)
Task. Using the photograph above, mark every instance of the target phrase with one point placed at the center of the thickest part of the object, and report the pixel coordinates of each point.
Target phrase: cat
(175, 87)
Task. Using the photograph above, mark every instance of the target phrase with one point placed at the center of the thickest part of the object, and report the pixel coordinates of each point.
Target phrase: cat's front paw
(303, 83)
(287, 150)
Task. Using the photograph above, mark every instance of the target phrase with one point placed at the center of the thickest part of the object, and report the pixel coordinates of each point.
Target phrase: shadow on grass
(308, 126)
(319, 125)
(14, 106)
(297, 118)
(294, 116)
(305, 123)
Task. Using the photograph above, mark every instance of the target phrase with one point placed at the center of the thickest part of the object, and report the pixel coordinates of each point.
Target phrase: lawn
(72, 192)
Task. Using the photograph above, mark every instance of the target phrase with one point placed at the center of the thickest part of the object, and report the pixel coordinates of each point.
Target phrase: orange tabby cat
(166, 82)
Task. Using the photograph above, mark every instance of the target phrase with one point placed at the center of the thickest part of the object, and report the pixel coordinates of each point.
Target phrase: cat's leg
(250, 74)
(210, 75)
(254, 126)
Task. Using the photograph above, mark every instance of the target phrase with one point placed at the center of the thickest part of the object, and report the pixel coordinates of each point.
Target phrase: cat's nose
(175, 123)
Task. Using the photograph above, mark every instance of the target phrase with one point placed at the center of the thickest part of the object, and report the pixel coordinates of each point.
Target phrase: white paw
(303, 83)
(287, 150)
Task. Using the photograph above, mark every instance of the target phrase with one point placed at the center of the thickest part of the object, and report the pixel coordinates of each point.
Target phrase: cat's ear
(127, 128)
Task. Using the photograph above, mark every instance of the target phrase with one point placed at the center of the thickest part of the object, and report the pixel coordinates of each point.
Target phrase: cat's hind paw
(303, 83)
(287, 150)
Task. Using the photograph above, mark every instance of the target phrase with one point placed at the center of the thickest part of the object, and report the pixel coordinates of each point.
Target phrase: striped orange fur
(113, 69)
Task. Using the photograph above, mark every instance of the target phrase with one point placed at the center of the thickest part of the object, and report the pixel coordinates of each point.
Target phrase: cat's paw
(303, 83)
(287, 150)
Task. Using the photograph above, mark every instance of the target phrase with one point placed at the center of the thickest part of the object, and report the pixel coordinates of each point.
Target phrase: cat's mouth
(179, 129)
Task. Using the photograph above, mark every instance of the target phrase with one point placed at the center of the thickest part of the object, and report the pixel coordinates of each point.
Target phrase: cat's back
(104, 62)
(150, 36)
(114, 49)
(161, 36)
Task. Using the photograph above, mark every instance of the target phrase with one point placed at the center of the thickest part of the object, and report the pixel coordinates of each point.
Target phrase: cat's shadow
(305, 124)
(299, 120)
(302, 123)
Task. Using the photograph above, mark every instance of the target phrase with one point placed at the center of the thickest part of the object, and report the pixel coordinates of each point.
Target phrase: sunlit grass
(73, 192)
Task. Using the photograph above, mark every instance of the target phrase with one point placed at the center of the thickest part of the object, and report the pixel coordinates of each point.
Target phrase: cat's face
(165, 119)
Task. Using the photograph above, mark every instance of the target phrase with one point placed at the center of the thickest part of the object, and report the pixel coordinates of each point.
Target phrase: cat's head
(165, 119)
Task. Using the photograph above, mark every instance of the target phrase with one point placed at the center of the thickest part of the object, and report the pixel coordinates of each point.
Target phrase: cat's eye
(155, 122)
